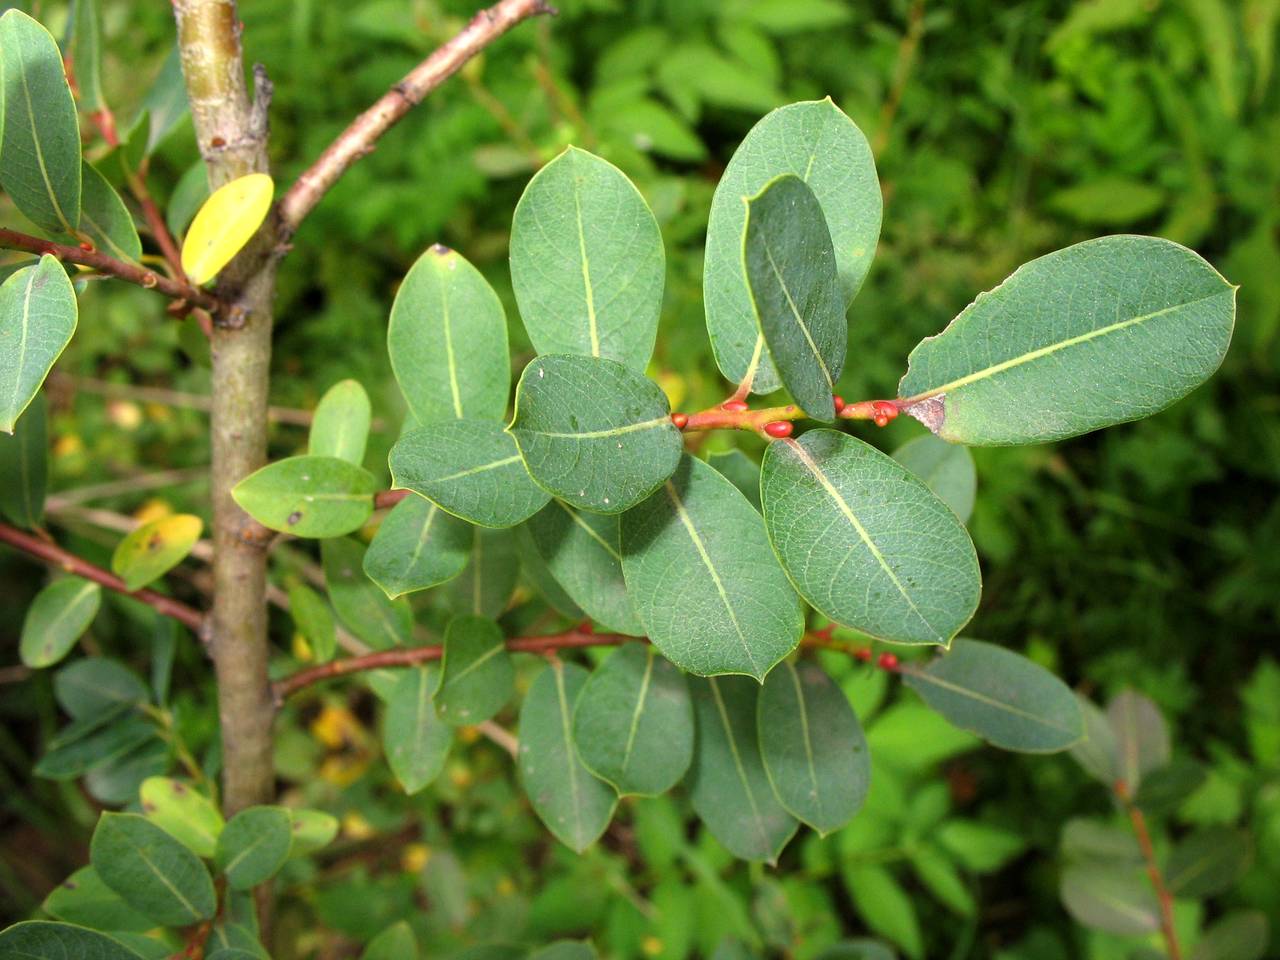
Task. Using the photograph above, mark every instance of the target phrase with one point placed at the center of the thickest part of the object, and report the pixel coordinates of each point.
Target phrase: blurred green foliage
(1140, 556)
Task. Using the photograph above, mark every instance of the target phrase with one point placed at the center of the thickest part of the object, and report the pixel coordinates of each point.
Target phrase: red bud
(839, 403)
(888, 661)
(734, 406)
(778, 429)
(681, 420)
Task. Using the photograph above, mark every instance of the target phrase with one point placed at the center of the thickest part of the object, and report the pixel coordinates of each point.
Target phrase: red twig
(360, 136)
(159, 229)
(734, 414)
(69, 562)
(1163, 896)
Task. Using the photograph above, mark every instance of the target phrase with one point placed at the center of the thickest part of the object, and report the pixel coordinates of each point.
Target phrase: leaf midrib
(925, 675)
(738, 765)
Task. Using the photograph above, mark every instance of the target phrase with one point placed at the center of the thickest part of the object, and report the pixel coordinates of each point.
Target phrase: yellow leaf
(230, 216)
(153, 509)
(154, 548)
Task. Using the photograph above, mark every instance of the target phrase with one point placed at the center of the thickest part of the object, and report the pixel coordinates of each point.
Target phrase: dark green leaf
(704, 582)
(42, 940)
(253, 846)
(397, 942)
(57, 617)
(415, 739)
(947, 468)
(95, 685)
(91, 742)
(24, 466)
(1208, 862)
(361, 606)
(105, 220)
(741, 471)
(38, 313)
(565, 950)
(151, 871)
(477, 678)
(165, 104)
(309, 496)
(485, 585)
(1164, 788)
(314, 620)
(1242, 935)
(340, 424)
(85, 900)
(417, 546)
(83, 45)
(189, 195)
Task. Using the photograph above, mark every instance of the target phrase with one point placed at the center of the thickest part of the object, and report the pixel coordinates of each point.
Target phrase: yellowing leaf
(155, 548)
(222, 227)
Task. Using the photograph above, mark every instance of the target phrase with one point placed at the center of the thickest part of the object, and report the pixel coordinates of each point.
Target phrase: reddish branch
(360, 136)
(69, 562)
(112, 267)
(734, 414)
(1163, 896)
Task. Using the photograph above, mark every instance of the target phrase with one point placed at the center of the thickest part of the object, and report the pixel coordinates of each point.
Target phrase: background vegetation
(1143, 556)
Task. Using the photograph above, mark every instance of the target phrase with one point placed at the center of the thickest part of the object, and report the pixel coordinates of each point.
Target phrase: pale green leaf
(41, 170)
(397, 942)
(105, 220)
(308, 496)
(415, 739)
(980, 847)
(94, 685)
(224, 224)
(1242, 935)
(818, 143)
(1112, 897)
(184, 813)
(574, 805)
(362, 606)
(1208, 862)
(340, 424)
(583, 551)
(154, 549)
(43, 940)
(312, 829)
(790, 266)
(477, 678)
(165, 103)
(38, 314)
(448, 340)
(85, 900)
(885, 906)
(254, 845)
(1100, 333)
(471, 468)
(1098, 752)
(417, 546)
(83, 45)
(704, 582)
(946, 468)
(1003, 697)
(24, 465)
(189, 194)
(314, 620)
(1141, 736)
(940, 877)
(594, 433)
(57, 617)
(633, 722)
(865, 542)
(812, 746)
(727, 782)
(587, 263)
(486, 583)
(151, 871)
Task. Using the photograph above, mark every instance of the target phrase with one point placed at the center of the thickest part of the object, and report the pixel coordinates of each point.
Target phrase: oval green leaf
(105, 220)
(1208, 862)
(867, 543)
(43, 940)
(727, 783)
(487, 582)
(947, 469)
(154, 549)
(417, 546)
(363, 608)
(397, 942)
(1103, 332)
(1141, 736)
(57, 617)
(312, 829)
(812, 746)
(95, 685)
(574, 805)
(448, 340)
(85, 900)
(308, 496)
(24, 465)
(41, 170)
(477, 678)
(1001, 696)
(340, 424)
(1111, 897)
(38, 313)
(587, 263)
(633, 722)
(818, 143)
(583, 551)
(704, 582)
(471, 468)
(790, 268)
(184, 813)
(593, 432)
(741, 471)
(415, 739)
(151, 871)
(314, 620)
(1242, 935)
(253, 846)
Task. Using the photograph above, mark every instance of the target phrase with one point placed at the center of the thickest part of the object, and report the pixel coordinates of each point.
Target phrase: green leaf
(534, 570)
(594, 433)
(857, 950)
(812, 746)
(105, 220)
(940, 878)
(41, 170)
(151, 871)
(1098, 753)
(448, 340)
(1003, 697)
(189, 195)
(704, 582)
(42, 940)
(979, 847)
(1208, 862)
(314, 620)
(790, 268)
(38, 313)
(477, 678)
(165, 104)
(1242, 935)
(308, 496)
(340, 424)
(397, 942)
(95, 685)
(1100, 333)
(254, 845)
(1142, 737)
(885, 906)
(485, 585)
(417, 546)
(633, 722)
(361, 606)
(565, 950)
(1111, 897)
(727, 783)
(818, 143)
(574, 805)
(415, 739)
(741, 471)
(1163, 790)
(946, 468)
(312, 829)
(92, 742)
(584, 553)
(24, 466)
(83, 45)
(866, 542)
(184, 813)
(155, 548)
(57, 617)
(471, 468)
(116, 781)
(587, 263)
(85, 900)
